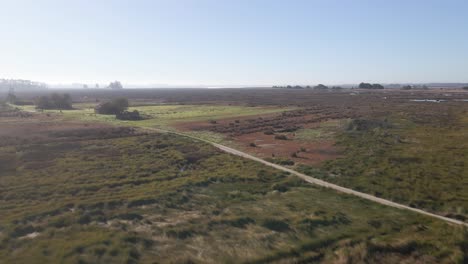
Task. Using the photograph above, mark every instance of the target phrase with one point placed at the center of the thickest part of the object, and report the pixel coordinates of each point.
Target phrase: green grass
(166, 116)
(140, 198)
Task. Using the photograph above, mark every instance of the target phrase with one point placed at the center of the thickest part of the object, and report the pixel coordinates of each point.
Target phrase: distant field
(167, 116)
(82, 192)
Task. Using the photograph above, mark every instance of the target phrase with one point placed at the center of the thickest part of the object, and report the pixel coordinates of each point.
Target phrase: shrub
(281, 137)
(276, 225)
(180, 234)
(253, 145)
(126, 115)
(129, 216)
(54, 101)
(321, 87)
(113, 107)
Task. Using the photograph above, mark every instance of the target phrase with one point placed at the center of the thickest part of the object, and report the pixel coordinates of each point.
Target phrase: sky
(234, 42)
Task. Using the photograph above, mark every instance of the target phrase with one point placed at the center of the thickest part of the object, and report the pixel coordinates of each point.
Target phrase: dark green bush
(276, 225)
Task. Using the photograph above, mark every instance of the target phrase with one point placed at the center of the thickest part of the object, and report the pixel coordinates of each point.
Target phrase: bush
(129, 216)
(276, 225)
(54, 101)
(281, 137)
(126, 115)
(114, 107)
(321, 87)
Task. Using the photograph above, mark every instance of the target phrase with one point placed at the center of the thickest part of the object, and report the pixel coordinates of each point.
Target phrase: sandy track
(318, 181)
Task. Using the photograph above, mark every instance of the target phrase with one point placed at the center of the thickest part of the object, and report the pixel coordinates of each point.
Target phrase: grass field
(116, 195)
(167, 116)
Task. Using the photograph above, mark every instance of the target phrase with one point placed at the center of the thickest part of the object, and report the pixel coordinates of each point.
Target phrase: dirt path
(318, 181)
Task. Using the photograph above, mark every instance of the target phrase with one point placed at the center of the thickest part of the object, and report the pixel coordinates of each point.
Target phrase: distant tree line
(54, 101)
(370, 86)
(8, 84)
(317, 87)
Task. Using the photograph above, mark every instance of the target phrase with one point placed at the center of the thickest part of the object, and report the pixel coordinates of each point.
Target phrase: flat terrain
(392, 144)
(97, 189)
(116, 194)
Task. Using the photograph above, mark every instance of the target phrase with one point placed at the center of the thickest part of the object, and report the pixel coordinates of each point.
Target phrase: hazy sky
(222, 42)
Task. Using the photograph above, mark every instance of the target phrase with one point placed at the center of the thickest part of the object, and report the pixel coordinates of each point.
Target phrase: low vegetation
(102, 194)
(416, 157)
(113, 107)
(54, 101)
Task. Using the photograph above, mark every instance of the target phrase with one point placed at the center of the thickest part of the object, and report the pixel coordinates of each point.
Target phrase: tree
(377, 86)
(370, 86)
(114, 107)
(465, 88)
(115, 85)
(321, 87)
(11, 97)
(54, 101)
(406, 87)
(365, 86)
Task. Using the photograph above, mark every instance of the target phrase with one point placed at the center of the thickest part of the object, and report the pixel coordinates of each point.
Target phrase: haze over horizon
(229, 43)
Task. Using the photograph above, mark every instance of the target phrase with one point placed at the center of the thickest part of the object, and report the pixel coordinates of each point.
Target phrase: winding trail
(317, 181)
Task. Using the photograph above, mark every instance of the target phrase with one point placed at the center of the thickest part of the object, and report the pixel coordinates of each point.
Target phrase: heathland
(77, 187)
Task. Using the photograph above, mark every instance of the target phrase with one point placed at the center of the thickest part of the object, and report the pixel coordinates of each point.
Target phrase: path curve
(316, 181)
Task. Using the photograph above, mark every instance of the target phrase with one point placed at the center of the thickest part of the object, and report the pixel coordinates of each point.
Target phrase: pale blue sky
(238, 42)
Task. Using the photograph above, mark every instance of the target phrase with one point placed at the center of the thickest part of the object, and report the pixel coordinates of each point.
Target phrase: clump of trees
(465, 88)
(114, 107)
(321, 87)
(370, 86)
(115, 85)
(11, 97)
(407, 87)
(117, 107)
(54, 101)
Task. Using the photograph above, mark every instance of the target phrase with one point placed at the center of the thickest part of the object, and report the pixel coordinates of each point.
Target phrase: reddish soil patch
(310, 153)
(289, 121)
(250, 129)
